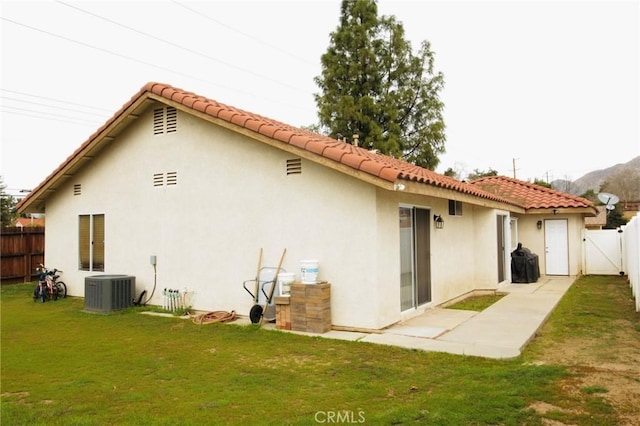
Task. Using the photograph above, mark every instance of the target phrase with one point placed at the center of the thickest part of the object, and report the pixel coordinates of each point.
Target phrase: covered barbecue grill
(524, 265)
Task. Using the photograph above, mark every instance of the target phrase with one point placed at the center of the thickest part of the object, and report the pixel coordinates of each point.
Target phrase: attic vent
(294, 166)
(172, 120)
(77, 189)
(158, 121)
(158, 179)
(165, 120)
(172, 178)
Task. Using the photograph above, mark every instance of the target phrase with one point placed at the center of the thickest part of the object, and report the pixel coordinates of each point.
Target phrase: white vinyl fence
(613, 252)
(631, 250)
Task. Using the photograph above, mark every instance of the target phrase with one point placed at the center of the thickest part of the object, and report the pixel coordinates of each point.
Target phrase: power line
(88, 124)
(149, 64)
(178, 46)
(55, 100)
(48, 114)
(52, 106)
(256, 39)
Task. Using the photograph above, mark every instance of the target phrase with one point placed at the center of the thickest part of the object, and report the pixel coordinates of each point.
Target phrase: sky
(550, 87)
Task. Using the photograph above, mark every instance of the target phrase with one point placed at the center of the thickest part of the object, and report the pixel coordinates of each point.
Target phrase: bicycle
(48, 287)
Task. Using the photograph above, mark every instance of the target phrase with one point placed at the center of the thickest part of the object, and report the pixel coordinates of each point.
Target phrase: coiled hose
(215, 316)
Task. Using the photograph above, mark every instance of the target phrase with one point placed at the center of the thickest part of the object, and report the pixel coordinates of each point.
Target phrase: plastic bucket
(309, 271)
(285, 279)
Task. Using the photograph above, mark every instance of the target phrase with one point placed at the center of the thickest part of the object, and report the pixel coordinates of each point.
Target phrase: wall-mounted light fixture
(398, 186)
(539, 224)
(437, 219)
(555, 211)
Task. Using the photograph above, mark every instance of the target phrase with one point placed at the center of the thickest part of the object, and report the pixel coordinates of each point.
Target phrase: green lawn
(63, 366)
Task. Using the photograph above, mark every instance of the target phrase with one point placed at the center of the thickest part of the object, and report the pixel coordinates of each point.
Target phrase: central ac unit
(107, 293)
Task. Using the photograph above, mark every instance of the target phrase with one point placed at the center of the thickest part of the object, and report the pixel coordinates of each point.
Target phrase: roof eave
(587, 211)
(36, 200)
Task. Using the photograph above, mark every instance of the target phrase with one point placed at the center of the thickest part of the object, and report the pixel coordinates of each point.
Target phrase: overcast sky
(550, 85)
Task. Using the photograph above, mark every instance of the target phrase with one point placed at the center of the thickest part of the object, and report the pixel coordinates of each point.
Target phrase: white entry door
(556, 240)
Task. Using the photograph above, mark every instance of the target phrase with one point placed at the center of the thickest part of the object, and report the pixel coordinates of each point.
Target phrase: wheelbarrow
(264, 285)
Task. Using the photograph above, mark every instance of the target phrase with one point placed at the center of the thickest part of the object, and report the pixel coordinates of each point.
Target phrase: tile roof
(379, 166)
(29, 221)
(529, 195)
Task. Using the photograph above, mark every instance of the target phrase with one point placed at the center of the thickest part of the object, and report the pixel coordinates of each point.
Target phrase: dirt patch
(608, 369)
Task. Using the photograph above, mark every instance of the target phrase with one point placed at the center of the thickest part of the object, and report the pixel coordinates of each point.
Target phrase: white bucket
(285, 279)
(309, 271)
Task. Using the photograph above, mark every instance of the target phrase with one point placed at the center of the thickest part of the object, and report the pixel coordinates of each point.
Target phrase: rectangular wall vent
(158, 121)
(172, 178)
(165, 120)
(294, 166)
(77, 189)
(158, 179)
(107, 293)
(172, 120)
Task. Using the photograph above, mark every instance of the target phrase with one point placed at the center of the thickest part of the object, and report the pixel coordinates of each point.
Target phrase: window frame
(455, 208)
(91, 242)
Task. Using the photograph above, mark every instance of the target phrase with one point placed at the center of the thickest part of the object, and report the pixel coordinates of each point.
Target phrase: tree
(7, 206)
(451, 173)
(590, 195)
(477, 174)
(541, 182)
(615, 219)
(374, 86)
(624, 183)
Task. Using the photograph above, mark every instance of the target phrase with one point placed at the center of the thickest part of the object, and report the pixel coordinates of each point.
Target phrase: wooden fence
(21, 251)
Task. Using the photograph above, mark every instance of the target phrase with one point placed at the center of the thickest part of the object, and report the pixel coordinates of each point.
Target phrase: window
(91, 242)
(455, 208)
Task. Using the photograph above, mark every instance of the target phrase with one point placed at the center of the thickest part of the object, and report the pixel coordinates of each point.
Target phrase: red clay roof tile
(382, 166)
(298, 140)
(353, 160)
(529, 195)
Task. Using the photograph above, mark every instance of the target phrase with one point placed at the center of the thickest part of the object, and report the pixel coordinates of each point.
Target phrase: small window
(91, 242)
(455, 208)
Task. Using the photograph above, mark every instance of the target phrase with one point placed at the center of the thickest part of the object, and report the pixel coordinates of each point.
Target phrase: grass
(62, 366)
(477, 303)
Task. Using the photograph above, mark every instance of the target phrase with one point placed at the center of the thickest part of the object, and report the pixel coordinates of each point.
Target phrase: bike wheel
(61, 288)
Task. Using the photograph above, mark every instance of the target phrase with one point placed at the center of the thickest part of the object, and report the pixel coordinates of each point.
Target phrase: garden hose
(215, 316)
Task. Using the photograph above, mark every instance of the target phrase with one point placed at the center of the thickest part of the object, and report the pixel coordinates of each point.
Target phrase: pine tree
(373, 85)
(7, 206)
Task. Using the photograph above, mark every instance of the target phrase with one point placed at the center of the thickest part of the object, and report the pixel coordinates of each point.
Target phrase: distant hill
(592, 180)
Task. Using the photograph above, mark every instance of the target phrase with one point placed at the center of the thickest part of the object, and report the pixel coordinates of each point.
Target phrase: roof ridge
(380, 166)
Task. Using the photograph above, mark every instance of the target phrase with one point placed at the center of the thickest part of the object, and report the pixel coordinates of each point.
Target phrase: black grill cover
(524, 266)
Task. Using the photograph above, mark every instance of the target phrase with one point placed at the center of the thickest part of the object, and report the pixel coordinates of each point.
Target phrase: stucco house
(202, 186)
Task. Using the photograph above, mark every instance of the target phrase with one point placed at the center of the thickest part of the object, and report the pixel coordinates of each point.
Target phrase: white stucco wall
(232, 198)
(534, 239)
